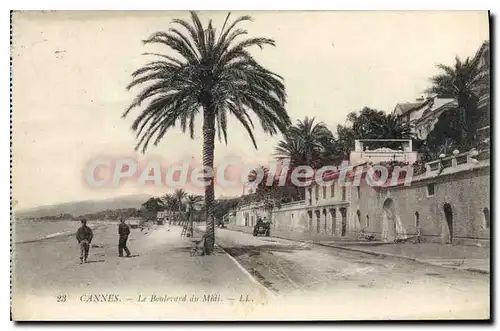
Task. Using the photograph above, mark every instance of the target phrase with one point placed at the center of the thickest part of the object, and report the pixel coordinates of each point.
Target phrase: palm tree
(214, 76)
(465, 81)
(180, 194)
(391, 127)
(291, 148)
(303, 143)
(171, 204)
(192, 202)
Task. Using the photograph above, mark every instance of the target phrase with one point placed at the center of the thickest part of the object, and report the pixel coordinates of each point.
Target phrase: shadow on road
(133, 255)
(252, 250)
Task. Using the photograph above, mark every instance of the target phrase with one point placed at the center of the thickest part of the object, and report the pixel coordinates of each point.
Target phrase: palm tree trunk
(208, 164)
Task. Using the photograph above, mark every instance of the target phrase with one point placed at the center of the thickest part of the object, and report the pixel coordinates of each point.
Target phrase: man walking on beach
(84, 237)
(123, 232)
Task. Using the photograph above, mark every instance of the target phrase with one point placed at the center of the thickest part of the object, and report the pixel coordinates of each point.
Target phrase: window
(430, 190)
(316, 192)
(309, 190)
(332, 188)
(367, 221)
(486, 214)
(324, 192)
(358, 190)
(417, 219)
(292, 215)
(343, 193)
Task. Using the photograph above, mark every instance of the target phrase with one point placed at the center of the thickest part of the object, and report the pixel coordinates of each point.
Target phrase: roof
(408, 106)
(437, 104)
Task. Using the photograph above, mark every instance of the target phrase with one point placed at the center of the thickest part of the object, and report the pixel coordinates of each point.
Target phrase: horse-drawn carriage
(263, 227)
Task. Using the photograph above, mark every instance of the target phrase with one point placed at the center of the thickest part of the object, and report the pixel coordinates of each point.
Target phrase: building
(422, 115)
(482, 58)
(408, 112)
(423, 125)
(447, 203)
(402, 153)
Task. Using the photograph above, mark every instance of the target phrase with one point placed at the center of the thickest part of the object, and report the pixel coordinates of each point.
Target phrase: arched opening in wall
(358, 217)
(448, 215)
(309, 190)
(486, 215)
(417, 220)
(318, 219)
(389, 220)
(367, 224)
(310, 215)
(324, 221)
(316, 192)
(343, 213)
(333, 214)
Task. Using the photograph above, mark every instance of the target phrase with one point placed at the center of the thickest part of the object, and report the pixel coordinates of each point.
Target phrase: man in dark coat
(84, 237)
(123, 232)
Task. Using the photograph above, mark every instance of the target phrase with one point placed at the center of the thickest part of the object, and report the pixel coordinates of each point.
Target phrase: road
(49, 283)
(358, 285)
(308, 281)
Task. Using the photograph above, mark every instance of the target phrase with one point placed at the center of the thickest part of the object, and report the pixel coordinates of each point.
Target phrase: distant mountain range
(78, 208)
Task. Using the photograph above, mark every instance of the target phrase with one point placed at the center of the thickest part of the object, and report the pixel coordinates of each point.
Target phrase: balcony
(362, 155)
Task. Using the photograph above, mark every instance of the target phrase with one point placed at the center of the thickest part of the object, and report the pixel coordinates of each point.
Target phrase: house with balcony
(408, 112)
(423, 125)
(422, 115)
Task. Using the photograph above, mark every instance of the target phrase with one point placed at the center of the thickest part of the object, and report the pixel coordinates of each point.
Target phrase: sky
(70, 70)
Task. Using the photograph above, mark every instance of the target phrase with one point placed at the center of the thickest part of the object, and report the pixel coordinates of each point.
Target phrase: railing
(381, 156)
(292, 204)
(453, 161)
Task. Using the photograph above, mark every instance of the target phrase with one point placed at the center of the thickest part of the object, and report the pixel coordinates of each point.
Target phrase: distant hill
(78, 208)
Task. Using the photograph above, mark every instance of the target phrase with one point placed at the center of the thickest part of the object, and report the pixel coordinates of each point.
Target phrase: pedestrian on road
(84, 237)
(123, 232)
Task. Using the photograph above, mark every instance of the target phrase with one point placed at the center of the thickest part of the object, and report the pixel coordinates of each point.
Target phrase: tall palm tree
(212, 76)
(302, 143)
(192, 201)
(465, 81)
(170, 201)
(180, 194)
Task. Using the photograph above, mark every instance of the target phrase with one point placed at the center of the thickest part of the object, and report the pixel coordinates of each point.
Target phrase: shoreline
(68, 233)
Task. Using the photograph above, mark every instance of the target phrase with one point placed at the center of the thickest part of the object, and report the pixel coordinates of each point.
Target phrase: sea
(33, 230)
